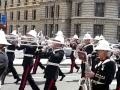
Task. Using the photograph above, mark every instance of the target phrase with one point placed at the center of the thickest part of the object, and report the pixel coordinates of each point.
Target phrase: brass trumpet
(11, 37)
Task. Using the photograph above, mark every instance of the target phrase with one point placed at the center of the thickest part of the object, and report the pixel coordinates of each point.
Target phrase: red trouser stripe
(24, 77)
(36, 65)
(51, 85)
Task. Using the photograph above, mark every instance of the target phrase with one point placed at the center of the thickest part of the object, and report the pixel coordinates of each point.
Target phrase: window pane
(119, 10)
(26, 15)
(34, 14)
(45, 30)
(11, 29)
(52, 11)
(11, 15)
(77, 28)
(99, 9)
(46, 11)
(24, 29)
(118, 33)
(18, 15)
(32, 27)
(51, 30)
(98, 30)
(57, 11)
(78, 8)
(56, 28)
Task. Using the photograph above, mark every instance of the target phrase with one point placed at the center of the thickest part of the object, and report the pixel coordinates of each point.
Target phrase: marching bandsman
(29, 52)
(3, 57)
(73, 45)
(11, 56)
(52, 70)
(105, 70)
(88, 48)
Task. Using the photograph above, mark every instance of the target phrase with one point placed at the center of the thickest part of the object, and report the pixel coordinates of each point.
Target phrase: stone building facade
(71, 16)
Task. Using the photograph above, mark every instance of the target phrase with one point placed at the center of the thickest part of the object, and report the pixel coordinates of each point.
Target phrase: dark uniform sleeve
(89, 49)
(110, 69)
(58, 56)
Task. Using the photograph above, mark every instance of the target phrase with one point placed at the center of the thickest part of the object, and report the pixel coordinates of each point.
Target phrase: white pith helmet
(14, 32)
(101, 37)
(59, 33)
(87, 36)
(32, 33)
(3, 39)
(59, 39)
(97, 38)
(103, 45)
(75, 36)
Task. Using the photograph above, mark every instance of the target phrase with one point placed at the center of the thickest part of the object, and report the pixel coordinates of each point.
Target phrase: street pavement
(70, 82)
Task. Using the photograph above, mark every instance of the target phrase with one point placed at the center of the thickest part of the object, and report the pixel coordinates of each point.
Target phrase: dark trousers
(82, 69)
(36, 64)
(61, 73)
(100, 87)
(27, 77)
(73, 64)
(2, 71)
(13, 70)
(50, 84)
(10, 69)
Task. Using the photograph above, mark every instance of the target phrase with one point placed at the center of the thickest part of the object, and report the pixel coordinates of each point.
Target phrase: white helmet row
(75, 36)
(101, 37)
(3, 39)
(59, 33)
(103, 45)
(97, 38)
(59, 38)
(87, 36)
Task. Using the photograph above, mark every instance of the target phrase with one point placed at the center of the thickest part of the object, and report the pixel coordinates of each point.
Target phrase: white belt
(53, 64)
(10, 51)
(28, 55)
(97, 82)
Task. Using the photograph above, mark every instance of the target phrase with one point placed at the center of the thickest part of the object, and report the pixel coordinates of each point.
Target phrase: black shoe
(62, 77)
(77, 70)
(17, 80)
(2, 83)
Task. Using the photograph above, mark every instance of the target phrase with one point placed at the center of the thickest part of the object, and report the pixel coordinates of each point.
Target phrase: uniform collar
(103, 62)
(106, 61)
(88, 44)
